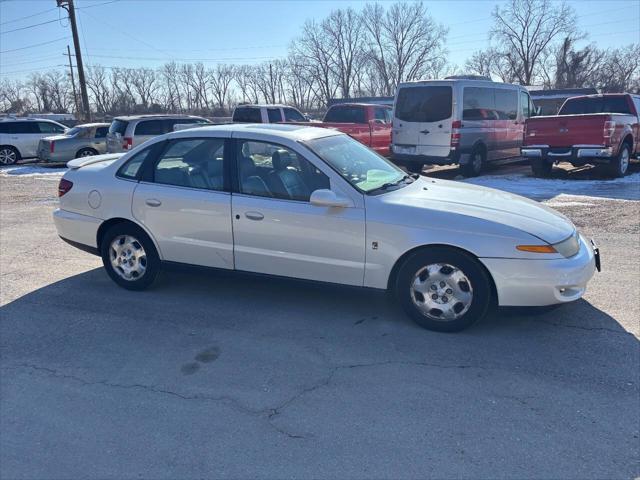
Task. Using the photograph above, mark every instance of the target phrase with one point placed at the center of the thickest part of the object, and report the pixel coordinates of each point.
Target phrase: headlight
(567, 248)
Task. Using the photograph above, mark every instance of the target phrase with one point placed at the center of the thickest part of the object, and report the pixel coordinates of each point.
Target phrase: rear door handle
(152, 202)
(254, 215)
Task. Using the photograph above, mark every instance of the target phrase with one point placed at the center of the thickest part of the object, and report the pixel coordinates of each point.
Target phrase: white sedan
(312, 203)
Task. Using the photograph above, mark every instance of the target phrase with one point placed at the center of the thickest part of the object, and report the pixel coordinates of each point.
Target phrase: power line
(30, 26)
(36, 44)
(31, 70)
(97, 5)
(41, 59)
(29, 16)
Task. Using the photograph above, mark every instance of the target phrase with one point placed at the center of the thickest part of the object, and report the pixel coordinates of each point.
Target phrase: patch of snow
(31, 171)
(626, 188)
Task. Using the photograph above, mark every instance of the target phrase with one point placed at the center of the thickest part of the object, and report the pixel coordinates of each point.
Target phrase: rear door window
(506, 103)
(345, 115)
(424, 104)
(48, 127)
(478, 103)
(274, 115)
(247, 115)
(118, 126)
(19, 127)
(101, 132)
(586, 105)
(150, 127)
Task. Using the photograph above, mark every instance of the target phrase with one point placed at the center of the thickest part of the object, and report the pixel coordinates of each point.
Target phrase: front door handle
(152, 202)
(254, 215)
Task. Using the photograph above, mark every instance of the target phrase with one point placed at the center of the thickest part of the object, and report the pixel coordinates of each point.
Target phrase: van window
(506, 103)
(247, 115)
(478, 104)
(584, 105)
(150, 127)
(424, 104)
(118, 126)
(525, 104)
(345, 114)
(274, 115)
(48, 127)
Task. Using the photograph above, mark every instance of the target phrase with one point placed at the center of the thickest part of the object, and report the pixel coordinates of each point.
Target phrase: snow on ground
(626, 188)
(31, 171)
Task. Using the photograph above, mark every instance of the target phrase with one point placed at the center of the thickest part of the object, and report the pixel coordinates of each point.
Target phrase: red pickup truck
(592, 129)
(367, 123)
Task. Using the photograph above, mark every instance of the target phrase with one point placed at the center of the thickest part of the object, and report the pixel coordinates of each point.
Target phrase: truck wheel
(8, 155)
(620, 164)
(541, 168)
(476, 162)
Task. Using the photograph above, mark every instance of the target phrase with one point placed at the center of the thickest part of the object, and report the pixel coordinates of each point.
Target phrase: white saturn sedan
(314, 204)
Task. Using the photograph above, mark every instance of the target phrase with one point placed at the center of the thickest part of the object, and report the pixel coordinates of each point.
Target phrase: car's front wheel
(129, 256)
(8, 155)
(443, 289)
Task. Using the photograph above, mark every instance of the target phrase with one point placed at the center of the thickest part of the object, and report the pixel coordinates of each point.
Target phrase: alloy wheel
(7, 156)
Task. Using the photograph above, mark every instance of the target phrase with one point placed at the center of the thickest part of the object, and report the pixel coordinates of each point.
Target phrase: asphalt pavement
(223, 376)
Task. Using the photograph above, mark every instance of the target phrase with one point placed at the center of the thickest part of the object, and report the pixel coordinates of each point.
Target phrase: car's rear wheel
(620, 164)
(541, 168)
(129, 256)
(86, 152)
(475, 164)
(8, 155)
(443, 289)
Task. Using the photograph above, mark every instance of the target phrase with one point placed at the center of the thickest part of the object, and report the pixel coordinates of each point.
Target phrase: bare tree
(576, 68)
(172, 93)
(245, 79)
(406, 43)
(145, 85)
(220, 79)
(525, 31)
(14, 97)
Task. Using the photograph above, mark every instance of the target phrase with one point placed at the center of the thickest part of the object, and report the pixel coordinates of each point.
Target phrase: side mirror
(328, 198)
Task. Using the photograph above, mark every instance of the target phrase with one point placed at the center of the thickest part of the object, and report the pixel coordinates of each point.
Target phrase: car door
(100, 139)
(183, 199)
(278, 231)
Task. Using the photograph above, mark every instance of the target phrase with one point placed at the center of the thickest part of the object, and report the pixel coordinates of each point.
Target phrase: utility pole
(68, 6)
(73, 81)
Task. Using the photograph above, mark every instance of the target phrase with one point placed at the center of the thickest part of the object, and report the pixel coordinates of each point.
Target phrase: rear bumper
(46, 156)
(574, 154)
(528, 283)
(450, 159)
(75, 228)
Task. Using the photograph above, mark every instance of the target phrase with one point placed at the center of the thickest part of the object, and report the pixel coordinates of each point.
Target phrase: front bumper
(525, 283)
(575, 154)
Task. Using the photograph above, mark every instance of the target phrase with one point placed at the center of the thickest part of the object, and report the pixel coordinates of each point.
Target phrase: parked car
(369, 124)
(128, 132)
(19, 137)
(320, 207)
(592, 129)
(458, 121)
(270, 113)
(80, 141)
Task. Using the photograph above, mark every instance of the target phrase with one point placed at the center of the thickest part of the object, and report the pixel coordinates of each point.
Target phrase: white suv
(128, 132)
(19, 137)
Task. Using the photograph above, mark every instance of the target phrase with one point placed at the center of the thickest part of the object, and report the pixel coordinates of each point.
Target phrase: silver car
(130, 131)
(80, 141)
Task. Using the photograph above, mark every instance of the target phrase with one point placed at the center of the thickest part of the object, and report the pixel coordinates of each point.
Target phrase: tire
(620, 164)
(477, 160)
(414, 167)
(456, 275)
(86, 152)
(126, 239)
(541, 168)
(9, 155)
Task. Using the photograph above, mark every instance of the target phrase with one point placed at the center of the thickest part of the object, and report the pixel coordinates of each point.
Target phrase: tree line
(349, 53)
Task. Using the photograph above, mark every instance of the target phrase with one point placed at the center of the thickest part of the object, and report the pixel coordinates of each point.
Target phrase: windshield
(360, 166)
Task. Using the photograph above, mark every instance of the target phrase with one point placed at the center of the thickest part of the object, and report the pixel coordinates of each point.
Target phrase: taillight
(127, 143)
(609, 129)
(52, 146)
(455, 133)
(64, 186)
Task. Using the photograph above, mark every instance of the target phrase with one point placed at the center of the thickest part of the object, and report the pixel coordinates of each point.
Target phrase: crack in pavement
(590, 329)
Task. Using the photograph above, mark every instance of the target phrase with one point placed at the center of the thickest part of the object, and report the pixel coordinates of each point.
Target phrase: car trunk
(566, 130)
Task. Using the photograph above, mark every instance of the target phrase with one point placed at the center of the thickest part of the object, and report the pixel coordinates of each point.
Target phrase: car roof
(359, 104)
(264, 105)
(291, 132)
(129, 118)
(28, 119)
(91, 125)
(599, 95)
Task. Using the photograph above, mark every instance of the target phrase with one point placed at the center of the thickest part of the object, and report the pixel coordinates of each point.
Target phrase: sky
(134, 33)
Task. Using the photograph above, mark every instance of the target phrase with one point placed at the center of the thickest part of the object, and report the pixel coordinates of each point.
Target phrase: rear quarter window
(118, 126)
(19, 127)
(424, 103)
(150, 127)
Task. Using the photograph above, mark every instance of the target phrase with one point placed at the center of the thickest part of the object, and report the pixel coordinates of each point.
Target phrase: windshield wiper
(385, 186)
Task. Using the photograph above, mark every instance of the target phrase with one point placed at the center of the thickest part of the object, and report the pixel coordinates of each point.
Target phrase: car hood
(484, 203)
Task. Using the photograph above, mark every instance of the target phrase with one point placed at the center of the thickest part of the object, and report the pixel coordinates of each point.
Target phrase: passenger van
(458, 120)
